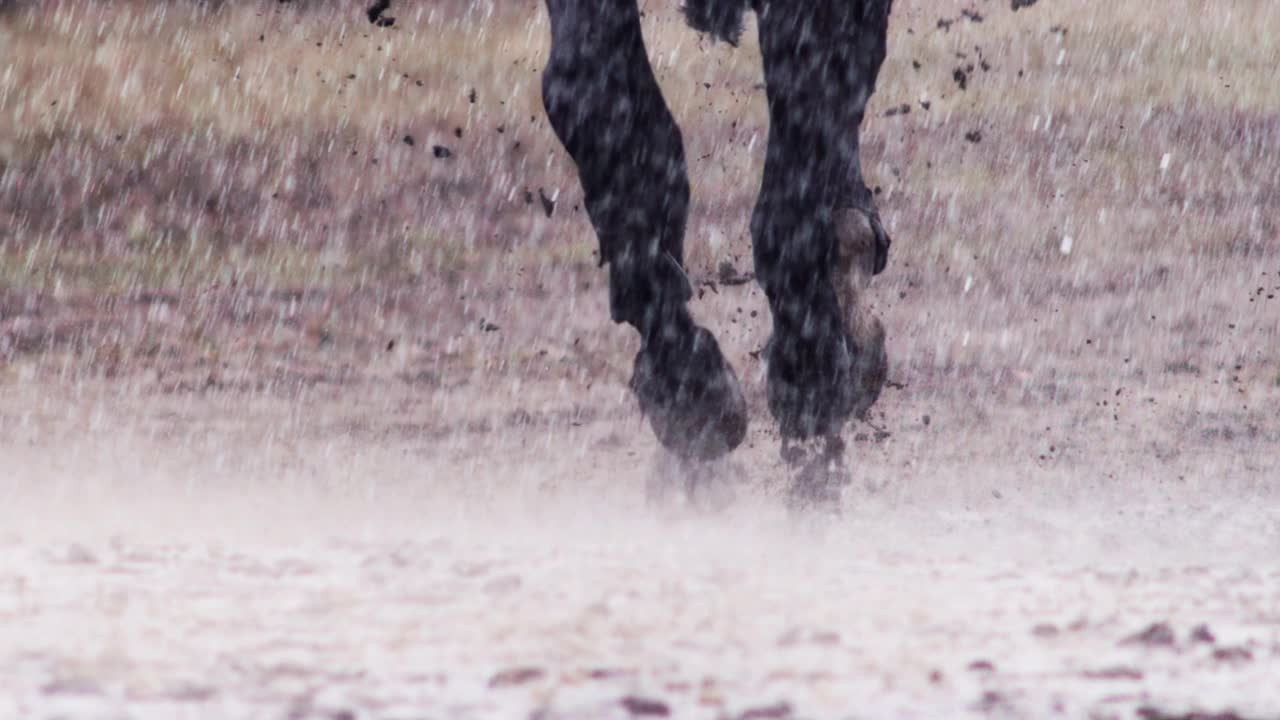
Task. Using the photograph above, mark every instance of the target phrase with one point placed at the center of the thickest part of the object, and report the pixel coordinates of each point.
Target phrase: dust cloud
(240, 574)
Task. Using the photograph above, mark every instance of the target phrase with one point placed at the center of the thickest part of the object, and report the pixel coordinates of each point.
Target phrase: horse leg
(817, 239)
(605, 106)
(861, 243)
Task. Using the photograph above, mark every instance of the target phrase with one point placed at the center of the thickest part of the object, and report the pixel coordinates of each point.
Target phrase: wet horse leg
(605, 106)
(816, 235)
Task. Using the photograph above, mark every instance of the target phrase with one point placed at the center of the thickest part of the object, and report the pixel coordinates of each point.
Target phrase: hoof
(827, 362)
(691, 396)
(809, 388)
(820, 473)
(676, 483)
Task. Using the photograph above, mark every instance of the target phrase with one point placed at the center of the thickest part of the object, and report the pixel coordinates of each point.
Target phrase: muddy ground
(310, 406)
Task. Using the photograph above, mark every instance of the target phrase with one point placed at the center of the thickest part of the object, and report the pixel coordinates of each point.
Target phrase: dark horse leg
(817, 238)
(607, 109)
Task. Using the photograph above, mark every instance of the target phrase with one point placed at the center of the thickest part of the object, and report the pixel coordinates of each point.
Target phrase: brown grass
(203, 191)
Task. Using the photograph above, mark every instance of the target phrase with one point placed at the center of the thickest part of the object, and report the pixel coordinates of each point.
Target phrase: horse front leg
(606, 108)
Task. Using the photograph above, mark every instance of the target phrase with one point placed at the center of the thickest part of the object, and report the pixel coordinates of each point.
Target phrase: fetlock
(809, 365)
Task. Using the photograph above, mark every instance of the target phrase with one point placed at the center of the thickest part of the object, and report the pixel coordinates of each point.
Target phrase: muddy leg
(605, 106)
(816, 236)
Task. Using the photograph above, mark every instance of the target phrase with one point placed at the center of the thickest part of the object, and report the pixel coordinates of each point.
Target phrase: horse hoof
(826, 359)
(809, 373)
(870, 369)
(691, 396)
(821, 476)
(703, 486)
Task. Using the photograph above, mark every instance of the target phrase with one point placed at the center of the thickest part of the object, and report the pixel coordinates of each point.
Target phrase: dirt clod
(516, 676)
(1045, 630)
(78, 554)
(1233, 654)
(1117, 672)
(1155, 635)
(645, 707)
(1202, 634)
(776, 711)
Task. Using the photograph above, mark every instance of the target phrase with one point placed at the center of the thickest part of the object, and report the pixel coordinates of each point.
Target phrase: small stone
(777, 711)
(1202, 634)
(78, 554)
(516, 676)
(1118, 672)
(645, 707)
(608, 673)
(990, 702)
(1232, 654)
(1045, 630)
(1154, 635)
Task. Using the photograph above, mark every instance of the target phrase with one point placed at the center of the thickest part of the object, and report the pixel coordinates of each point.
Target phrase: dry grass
(224, 159)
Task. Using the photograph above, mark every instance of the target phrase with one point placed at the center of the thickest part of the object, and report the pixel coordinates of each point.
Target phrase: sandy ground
(218, 561)
(302, 420)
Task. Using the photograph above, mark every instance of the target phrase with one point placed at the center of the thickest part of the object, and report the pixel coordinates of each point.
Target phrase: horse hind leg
(817, 238)
(858, 237)
(861, 244)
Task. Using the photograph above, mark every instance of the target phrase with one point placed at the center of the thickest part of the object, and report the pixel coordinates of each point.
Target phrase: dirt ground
(310, 406)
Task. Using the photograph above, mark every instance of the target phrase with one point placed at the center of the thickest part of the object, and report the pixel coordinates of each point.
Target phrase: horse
(817, 238)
